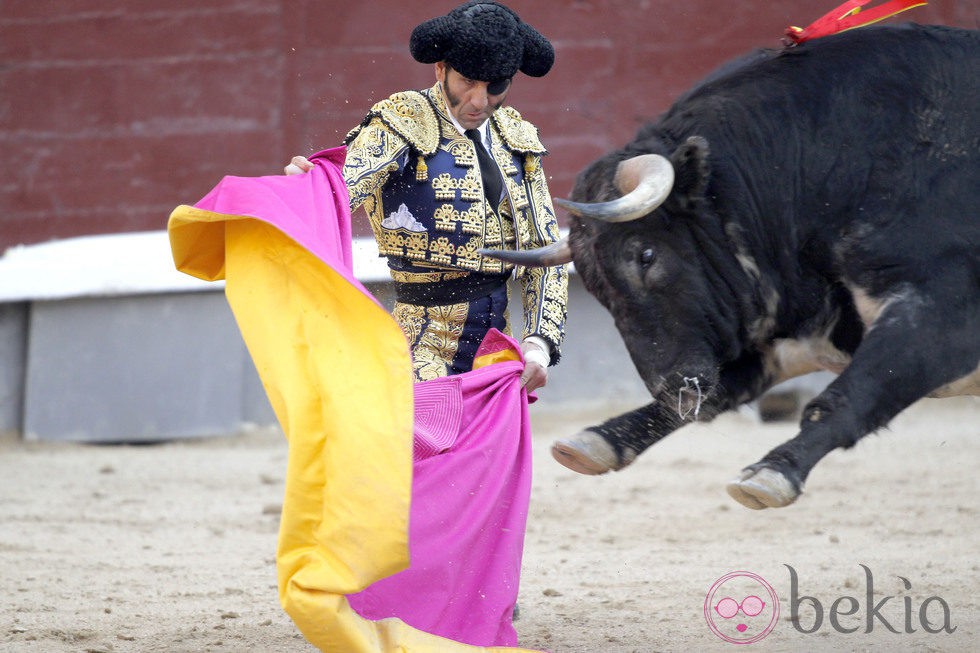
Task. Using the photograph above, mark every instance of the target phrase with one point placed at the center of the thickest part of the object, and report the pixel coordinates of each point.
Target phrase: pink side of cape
(470, 496)
(312, 208)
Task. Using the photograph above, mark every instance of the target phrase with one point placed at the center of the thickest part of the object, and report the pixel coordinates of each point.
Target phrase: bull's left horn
(557, 253)
(645, 182)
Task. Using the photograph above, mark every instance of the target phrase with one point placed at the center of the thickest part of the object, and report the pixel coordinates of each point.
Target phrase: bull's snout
(682, 393)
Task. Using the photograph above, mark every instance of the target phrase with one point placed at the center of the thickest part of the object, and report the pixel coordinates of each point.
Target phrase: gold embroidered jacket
(420, 185)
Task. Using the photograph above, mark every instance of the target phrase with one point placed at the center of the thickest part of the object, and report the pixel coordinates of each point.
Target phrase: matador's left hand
(536, 360)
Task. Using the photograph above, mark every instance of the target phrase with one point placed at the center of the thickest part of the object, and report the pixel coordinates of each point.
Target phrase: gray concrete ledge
(102, 340)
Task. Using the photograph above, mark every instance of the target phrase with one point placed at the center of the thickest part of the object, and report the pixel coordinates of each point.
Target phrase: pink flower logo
(741, 608)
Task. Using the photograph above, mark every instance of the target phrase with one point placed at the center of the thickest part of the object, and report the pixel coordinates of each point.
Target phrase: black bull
(804, 209)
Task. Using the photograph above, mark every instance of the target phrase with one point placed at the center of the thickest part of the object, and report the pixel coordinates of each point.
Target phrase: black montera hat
(483, 40)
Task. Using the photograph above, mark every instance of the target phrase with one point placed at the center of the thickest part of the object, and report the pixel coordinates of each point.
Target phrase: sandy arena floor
(171, 547)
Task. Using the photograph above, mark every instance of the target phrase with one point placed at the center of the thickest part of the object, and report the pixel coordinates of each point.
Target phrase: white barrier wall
(101, 339)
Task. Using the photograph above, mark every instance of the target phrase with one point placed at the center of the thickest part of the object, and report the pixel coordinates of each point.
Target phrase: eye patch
(498, 86)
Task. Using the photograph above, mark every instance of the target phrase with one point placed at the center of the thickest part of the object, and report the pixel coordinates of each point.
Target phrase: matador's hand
(536, 360)
(298, 165)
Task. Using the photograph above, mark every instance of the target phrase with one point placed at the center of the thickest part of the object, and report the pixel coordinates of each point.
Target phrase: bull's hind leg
(914, 346)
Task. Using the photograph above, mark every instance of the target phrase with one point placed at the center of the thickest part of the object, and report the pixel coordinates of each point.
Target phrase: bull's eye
(646, 258)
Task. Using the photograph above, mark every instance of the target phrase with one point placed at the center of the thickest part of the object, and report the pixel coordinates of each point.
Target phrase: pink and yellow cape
(405, 506)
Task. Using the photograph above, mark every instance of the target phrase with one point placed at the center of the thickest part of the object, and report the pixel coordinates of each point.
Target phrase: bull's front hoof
(589, 453)
(762, 488)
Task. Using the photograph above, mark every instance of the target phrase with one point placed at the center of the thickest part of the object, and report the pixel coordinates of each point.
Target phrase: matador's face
(470, 101)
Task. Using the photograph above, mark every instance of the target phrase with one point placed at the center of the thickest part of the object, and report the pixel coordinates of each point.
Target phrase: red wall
(112, 113)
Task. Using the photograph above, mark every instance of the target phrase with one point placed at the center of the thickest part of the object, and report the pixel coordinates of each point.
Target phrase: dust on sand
(171, 547)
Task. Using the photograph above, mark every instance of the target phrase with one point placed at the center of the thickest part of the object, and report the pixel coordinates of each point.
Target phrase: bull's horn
(645, 182)
(557, 253)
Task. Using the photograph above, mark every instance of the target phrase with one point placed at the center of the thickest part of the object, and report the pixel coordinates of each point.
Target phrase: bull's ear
(691, 170)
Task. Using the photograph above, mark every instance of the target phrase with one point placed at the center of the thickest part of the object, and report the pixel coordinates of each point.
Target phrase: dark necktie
(493, 185)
